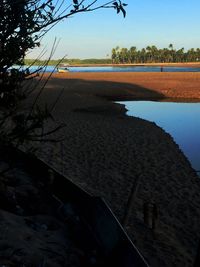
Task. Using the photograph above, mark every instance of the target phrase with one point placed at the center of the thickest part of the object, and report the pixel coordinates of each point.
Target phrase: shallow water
(121, 69)
(133, 69)
(180, 120)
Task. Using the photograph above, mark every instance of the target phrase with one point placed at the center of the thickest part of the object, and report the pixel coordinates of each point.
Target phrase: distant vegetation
(152, 54)
(69, 61)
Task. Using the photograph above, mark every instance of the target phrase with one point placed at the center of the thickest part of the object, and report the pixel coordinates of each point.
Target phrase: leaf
(52, 8)
(124, 4)
(123, 11)
(115, 4)
(75, 2)
(76, 7)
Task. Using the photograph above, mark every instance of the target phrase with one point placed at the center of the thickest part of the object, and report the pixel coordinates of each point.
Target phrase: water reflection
(181, 120)
(118, 69)
(133, 69)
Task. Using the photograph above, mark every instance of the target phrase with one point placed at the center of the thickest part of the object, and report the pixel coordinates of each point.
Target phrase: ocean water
(180, 120)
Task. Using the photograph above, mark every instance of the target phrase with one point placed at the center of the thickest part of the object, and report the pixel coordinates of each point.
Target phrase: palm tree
(171, 46)
(154, 53)
(132, 54)
(179, 55)
(114, 55)
(191, 55)
(124, 55)
(149, 53)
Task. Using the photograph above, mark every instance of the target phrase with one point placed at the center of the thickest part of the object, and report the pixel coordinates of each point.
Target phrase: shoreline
(181, 64)
(132, 85)
(108, 154)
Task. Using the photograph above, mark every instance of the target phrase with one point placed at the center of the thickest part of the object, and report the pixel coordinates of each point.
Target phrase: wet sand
(115, 156)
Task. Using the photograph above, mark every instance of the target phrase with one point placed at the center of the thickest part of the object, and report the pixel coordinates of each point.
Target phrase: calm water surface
(180, 120)
(122, 69)
(133, 69)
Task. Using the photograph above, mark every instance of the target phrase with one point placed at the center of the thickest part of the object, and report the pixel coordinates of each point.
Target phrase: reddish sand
(132, 85)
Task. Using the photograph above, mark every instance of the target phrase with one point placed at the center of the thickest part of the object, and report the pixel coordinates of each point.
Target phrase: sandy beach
(131, 163)
(131, 85)
(115, 156)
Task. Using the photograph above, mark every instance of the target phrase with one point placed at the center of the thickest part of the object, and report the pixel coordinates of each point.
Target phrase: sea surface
(180, 120)
(119, 69)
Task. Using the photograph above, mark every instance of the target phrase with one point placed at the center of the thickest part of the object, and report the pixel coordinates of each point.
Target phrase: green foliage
(73, 61)
(96, 61)
(152, 54)
(16, 22)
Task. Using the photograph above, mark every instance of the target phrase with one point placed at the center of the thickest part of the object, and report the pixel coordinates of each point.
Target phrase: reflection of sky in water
(132, 69)
(118, 69)
(181, 120)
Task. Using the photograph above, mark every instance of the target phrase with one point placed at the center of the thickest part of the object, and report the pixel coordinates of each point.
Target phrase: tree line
(72, 61)
(152, 54)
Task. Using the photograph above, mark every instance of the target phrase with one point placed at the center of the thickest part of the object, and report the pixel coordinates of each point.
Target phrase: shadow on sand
(94, 96)
(107, 89)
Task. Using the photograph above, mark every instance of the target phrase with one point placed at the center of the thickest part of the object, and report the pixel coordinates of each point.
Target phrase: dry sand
(132, 85)
(110, 154)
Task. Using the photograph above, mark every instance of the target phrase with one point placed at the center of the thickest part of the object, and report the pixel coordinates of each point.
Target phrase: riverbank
(177, 64)
(180, 64)
(132, 85)
(106, 63)
(115, 157)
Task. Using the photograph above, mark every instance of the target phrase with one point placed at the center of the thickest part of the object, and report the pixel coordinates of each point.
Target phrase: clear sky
(148, 22)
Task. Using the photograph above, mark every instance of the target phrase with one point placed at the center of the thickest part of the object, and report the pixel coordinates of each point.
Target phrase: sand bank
(112, 156)
(132, 85)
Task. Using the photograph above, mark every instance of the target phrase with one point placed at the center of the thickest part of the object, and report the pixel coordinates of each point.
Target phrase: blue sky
(148, 22)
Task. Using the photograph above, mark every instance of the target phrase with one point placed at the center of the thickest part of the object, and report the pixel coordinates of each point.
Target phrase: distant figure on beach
(161, 68)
